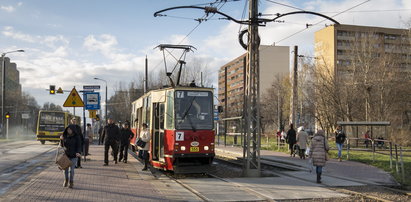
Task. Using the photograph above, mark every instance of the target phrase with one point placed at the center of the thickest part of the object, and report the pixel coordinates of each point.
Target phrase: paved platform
(93, 182)
(345, 173)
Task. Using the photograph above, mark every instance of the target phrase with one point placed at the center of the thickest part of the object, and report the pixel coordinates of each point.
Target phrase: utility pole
(252, 114)
(146, 77)
(294, 95)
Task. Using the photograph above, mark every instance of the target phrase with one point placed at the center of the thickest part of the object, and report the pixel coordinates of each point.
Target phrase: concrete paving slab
(218, 190)
(286, 188)
(326, 180)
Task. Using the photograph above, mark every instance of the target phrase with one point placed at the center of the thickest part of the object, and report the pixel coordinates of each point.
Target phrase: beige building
(274, 60)
(350, 52)
(335, 45)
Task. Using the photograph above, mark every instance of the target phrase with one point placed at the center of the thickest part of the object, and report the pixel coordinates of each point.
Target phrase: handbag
(141, 143)
(62, 161)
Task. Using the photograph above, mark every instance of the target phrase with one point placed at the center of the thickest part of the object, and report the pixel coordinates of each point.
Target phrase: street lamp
(105, 110)
(3, 84)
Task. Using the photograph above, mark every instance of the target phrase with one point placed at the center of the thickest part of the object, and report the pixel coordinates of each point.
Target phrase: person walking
(71, 142)
(125, 136)
(302, 140)
(77, 131)
(291, 139)
(339, 140)
(110, 136)
(318, 152)
(145, 137)
(87, 139)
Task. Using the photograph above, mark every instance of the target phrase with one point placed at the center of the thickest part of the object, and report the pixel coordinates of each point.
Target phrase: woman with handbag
(71, 142)
(145, 137)
(318, 152)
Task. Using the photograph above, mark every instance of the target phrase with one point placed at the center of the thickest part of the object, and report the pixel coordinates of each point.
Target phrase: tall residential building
(336, 46)
(363, 59)
(12, 85)
(274, 60)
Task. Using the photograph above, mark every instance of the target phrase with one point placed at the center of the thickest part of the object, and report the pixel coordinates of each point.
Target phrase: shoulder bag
(62, 161)
(141, 143)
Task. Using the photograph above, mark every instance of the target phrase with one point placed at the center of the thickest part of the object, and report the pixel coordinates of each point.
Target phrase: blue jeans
(66, 172)
(339, 147)
(319, 169)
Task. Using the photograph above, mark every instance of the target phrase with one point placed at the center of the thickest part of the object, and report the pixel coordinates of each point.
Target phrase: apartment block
(274, 60)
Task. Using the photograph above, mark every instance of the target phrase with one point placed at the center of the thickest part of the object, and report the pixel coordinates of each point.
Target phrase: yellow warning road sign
(92, 114)
(73, 100)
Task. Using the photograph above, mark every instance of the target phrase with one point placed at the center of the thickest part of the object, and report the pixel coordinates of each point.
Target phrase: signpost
(92, 100)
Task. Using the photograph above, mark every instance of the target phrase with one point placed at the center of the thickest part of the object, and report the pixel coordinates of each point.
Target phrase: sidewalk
(93, 182)
(348, 170)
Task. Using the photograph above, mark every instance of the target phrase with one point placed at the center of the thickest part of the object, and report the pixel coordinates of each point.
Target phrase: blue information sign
(92, 100)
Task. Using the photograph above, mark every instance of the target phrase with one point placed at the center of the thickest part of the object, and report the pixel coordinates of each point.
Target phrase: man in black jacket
(126, 136)
(110, 136)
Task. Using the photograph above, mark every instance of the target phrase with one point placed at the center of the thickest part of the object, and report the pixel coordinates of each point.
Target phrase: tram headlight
(183, 148)
(206, 148)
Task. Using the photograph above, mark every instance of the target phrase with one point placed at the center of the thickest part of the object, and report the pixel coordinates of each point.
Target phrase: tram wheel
(43, 141)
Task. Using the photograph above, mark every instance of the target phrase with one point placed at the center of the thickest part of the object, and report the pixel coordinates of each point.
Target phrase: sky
(69, 42)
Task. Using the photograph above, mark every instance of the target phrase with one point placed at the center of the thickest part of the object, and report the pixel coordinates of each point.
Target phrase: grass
(381, 161)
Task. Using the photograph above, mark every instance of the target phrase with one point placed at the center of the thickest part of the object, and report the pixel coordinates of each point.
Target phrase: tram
(51, 124)
(181, 124)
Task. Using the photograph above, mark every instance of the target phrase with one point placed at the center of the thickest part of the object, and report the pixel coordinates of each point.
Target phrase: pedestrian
(367, 138)
(318, 152)
(110, 136)
(87, 139)
(100, 132)
(283, 136)
(77, 131)
(145, 137)
(71, 142)
(125, 136)
(339, 140)
(302, 140)
(291, 139)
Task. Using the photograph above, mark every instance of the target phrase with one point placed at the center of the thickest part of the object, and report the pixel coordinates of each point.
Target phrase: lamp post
(105, 107)
(3, 85)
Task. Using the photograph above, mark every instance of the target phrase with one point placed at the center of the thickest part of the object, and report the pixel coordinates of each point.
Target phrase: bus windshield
(51, 121)
(193, 110)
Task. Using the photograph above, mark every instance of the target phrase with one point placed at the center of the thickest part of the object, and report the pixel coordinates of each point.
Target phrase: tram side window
(170, 110)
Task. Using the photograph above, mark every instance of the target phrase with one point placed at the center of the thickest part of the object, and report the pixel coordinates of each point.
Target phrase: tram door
(158, 131)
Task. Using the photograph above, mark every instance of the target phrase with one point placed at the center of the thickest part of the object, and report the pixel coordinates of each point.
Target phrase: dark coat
(111, 133)
(126, 135)
(71, 143)
(291, 136)
(340, 137)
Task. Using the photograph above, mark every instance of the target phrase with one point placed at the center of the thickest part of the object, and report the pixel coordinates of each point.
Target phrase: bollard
(373, 150)
(396, 158)
(402, 166)
(391, 155)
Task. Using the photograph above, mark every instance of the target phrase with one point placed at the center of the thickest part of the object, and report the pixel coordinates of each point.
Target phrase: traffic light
(52, 89)
(7, 115)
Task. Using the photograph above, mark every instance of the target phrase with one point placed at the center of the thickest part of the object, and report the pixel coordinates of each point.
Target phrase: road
(21, 159)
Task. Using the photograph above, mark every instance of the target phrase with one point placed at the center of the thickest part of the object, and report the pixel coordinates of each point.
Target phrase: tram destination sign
(91, 87)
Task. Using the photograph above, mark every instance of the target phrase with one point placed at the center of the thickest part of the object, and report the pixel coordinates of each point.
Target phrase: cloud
(7, 8)
(49, 41)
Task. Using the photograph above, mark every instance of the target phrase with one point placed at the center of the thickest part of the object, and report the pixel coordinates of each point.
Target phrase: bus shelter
(371, 125)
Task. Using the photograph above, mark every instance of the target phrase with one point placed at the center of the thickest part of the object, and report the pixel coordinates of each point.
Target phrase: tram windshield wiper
(186, 113)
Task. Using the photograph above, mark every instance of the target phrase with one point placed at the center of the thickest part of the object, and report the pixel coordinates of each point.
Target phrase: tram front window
(194, 110)
(51, 121)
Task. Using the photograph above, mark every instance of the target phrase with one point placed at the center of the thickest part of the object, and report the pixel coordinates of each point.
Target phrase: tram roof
(174, 88)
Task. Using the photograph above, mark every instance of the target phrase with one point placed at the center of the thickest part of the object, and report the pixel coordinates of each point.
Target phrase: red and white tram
(181, 124)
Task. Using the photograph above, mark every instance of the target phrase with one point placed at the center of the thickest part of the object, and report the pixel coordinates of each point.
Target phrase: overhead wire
(218, 2)
(285, 5)
(307, 27)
